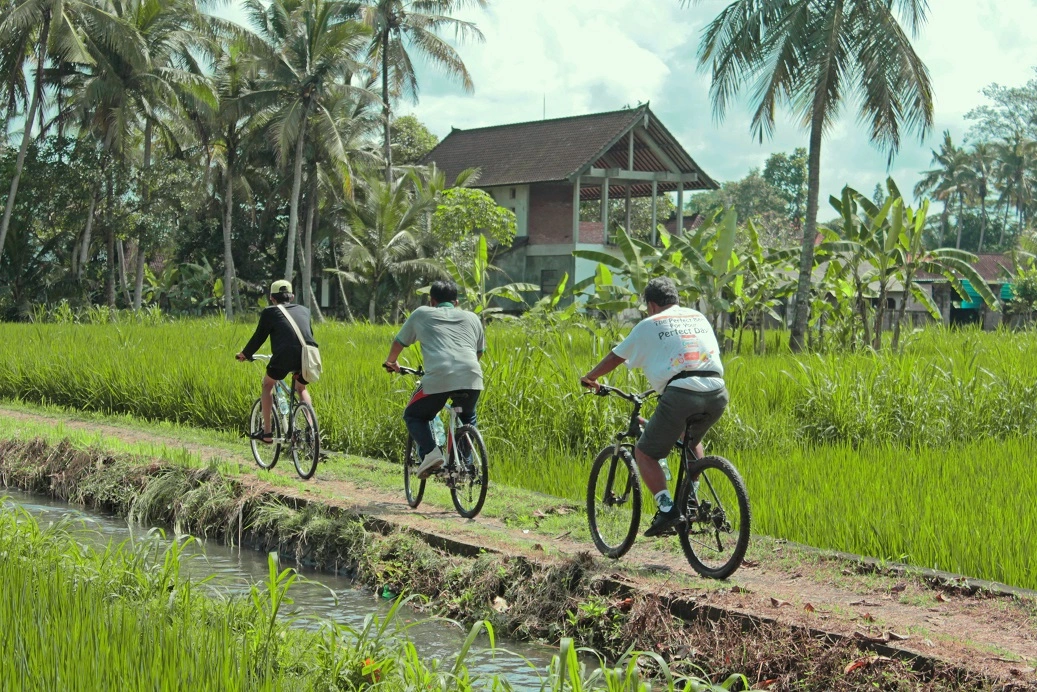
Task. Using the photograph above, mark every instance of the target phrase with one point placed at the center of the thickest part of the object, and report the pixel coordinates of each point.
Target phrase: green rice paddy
(923, 456)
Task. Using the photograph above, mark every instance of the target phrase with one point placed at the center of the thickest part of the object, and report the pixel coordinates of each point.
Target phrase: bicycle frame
(286, 418)
(634, 431)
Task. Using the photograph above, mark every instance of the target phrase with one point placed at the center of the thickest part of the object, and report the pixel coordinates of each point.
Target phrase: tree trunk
(801, 308)
(341, 285)
(371, 306)
(120, 249)
(903, 309)
(34, 104)
(138, 287)
(961, 219)
(109, 236)
(85, 248)
(228, 217)
(306, 248)
(387, 145)
(982, 224)
(293, 215)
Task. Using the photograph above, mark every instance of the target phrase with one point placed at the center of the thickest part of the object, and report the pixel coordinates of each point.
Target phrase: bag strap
(294, 325)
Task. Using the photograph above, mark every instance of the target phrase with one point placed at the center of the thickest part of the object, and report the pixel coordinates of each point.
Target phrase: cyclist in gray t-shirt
(452, 343)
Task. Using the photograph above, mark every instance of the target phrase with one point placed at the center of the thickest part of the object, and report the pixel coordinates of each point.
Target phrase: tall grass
(791, 419)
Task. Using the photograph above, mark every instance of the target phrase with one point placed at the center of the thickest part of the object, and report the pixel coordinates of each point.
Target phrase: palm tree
(808, 54)
(381, 242)
(951, 177)
(397, 23)
(982, 160)
(133, 87)
(50, 29)
(313, 49)
(1017, 158)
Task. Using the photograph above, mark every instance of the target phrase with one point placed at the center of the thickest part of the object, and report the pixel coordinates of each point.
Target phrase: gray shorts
(679, 410)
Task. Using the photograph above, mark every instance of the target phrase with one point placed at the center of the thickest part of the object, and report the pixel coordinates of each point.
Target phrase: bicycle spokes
(716, 533)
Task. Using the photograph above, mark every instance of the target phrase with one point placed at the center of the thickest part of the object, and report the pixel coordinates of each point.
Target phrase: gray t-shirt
(451, 341)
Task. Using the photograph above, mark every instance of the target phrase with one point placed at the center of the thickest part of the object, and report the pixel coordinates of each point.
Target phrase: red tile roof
(555, 150)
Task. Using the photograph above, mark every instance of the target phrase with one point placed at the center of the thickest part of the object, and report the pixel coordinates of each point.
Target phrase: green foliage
(463, 212)
(411, 140)
(787, 173)
(476, 295)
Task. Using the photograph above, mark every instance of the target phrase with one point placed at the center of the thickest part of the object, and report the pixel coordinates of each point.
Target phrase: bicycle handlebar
(633, 397)
(404, 370)
(261, 356)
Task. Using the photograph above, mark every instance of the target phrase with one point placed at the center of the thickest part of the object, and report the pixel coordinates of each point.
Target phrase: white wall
(515, 198)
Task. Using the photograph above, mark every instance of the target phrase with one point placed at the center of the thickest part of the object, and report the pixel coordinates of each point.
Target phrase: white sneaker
(433, 460)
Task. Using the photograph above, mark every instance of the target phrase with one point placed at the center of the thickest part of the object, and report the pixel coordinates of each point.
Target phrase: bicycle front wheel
(305, 440)
(265, 455)
(472, 479)
(716, 533)
(413, 487)
(614, 501)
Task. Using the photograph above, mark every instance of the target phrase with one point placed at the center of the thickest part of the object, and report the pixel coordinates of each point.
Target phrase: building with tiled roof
(542, 170)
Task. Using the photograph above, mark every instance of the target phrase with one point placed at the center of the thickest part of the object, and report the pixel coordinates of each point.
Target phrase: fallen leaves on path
(864, 663)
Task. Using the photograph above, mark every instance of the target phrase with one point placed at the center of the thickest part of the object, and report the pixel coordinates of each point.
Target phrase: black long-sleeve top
(283, 341)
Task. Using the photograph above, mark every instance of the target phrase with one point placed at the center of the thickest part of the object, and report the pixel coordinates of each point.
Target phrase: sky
(572, 57)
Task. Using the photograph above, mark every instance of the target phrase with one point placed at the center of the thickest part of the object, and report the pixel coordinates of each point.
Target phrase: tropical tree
(380, 243)
(1017, 162)
(477, 296)
(982, 158)
(950, 178)
(48, 28)
(312, 51)
(397, 25)
(809, 54)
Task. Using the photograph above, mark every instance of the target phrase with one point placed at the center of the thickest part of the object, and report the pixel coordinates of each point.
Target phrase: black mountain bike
(465, 469)
(714, 530)
(294, 427)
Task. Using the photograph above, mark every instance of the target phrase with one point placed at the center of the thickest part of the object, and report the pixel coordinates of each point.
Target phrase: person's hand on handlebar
(242, 357)
(391, 366)
(591, 384)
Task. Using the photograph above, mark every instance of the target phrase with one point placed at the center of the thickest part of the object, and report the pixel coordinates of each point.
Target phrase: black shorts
(278, 369)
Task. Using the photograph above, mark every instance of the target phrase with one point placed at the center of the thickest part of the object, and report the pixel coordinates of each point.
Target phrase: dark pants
(423, 408)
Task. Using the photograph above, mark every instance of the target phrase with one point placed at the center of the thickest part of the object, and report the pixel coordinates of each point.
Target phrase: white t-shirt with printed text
(670, 342)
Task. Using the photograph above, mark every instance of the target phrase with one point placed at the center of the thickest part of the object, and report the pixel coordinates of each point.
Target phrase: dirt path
(992, 634)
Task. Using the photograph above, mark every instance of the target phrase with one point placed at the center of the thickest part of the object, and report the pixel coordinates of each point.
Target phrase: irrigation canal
(322, 595)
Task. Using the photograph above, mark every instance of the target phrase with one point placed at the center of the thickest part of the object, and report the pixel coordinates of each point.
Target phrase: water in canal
(320, 594)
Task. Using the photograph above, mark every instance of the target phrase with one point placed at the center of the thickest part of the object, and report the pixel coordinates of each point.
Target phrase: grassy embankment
(125, 617)
(914, 456)
(551, 600)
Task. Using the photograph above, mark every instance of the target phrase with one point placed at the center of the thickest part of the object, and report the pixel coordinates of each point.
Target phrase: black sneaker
(662, 521)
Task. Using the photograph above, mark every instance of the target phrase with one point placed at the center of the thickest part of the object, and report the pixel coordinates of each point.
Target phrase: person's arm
(394, 352)
(259, 337)
(609, 363)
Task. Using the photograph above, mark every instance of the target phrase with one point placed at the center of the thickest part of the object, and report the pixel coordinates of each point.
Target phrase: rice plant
(791, 419)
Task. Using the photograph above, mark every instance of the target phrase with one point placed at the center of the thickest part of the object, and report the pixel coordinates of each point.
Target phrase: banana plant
(472, 282)
(637, 263)
(706, 266)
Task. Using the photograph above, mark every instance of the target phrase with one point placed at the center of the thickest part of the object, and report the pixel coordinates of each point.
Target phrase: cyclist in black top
(284, 345)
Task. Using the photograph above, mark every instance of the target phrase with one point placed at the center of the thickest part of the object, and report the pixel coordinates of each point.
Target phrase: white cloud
(592, 55)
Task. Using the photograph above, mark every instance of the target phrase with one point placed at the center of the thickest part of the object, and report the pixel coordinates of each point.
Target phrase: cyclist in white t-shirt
(678, 351)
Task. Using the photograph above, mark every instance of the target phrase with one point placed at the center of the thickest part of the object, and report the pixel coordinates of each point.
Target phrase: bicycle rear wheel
(716, 533)
(413, 486)
(265, 455)
(305, 440)
(470, 482)
(614, 501)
